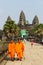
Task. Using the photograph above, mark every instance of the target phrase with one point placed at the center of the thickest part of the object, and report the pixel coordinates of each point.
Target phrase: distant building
(35, 20)
(23, 23)
(9, 18)
(22, 19)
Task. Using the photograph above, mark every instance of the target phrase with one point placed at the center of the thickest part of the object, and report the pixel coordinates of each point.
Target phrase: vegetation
(10, 28)
(37, 30)
(1, 32)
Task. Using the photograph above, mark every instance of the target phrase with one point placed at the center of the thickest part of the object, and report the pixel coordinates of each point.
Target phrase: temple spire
(22, 19)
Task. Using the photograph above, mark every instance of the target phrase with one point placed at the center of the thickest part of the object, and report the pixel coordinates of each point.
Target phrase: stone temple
(23, 23)
(22, 18)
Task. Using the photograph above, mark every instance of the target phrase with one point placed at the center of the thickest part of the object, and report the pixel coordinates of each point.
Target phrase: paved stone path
(33, 55)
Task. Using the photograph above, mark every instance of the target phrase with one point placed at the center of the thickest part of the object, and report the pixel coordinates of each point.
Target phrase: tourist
(32, 42)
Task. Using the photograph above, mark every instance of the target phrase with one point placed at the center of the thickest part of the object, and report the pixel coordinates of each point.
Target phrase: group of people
(16, 49)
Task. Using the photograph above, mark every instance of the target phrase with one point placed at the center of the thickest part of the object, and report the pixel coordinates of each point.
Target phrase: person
(19, 49)
(32, 42)
(11, 49)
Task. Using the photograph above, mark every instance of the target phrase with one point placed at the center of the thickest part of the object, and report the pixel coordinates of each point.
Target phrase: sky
(13, 8)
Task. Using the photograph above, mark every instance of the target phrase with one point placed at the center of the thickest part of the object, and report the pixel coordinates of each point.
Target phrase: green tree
(10, 27)
(37, 30)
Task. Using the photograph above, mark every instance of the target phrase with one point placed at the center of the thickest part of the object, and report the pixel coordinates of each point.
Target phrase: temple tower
(22, 19)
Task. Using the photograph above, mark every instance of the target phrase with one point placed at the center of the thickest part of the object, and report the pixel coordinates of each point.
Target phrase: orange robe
(19, 50)
(11, 49)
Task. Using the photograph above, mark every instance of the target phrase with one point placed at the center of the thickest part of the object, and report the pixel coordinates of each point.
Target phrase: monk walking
(11, 49)
(19, 49)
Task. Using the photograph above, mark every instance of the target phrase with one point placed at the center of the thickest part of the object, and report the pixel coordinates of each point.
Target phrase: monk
(19, 49)
(11, 49)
